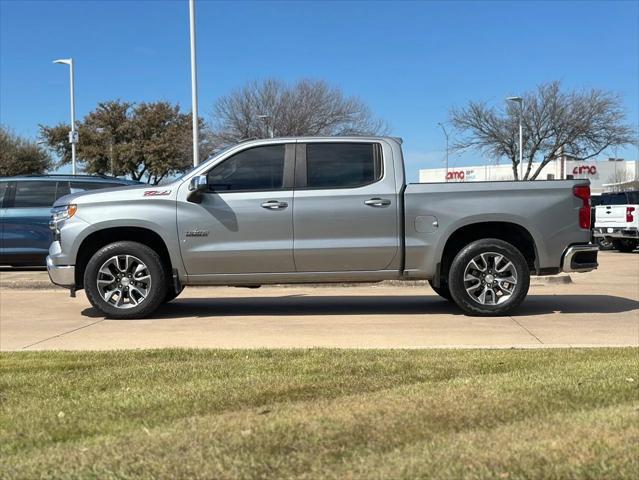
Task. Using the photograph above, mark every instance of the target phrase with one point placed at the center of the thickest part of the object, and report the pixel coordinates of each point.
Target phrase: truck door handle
(377, 202)
(274, 205)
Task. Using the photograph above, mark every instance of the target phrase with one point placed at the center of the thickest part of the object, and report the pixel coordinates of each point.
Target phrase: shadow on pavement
(292, 305)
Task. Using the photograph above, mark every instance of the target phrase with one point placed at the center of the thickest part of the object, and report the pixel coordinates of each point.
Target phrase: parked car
(25, 211)
(298, 210)
(617, 220)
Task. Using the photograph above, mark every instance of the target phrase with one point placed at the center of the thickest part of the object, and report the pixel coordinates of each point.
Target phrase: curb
(551, 280)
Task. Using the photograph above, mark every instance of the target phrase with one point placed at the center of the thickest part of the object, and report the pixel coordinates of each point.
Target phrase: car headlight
(63, 212)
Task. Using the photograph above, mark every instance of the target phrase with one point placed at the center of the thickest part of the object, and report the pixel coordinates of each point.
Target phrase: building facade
(603, 174)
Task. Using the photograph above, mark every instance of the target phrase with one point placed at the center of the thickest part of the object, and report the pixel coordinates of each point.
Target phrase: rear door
(4, 188)
(346, 207)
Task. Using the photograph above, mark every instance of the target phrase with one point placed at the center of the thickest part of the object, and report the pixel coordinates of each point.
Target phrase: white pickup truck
(617, 220)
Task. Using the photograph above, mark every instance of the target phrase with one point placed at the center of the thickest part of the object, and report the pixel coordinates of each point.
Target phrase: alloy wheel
(124, 281)
(490, 278)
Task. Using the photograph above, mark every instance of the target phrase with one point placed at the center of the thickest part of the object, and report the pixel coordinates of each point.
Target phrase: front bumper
(580, 258)
(62, 275)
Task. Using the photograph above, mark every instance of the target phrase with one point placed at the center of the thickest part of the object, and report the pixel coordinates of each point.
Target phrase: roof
(57, 176)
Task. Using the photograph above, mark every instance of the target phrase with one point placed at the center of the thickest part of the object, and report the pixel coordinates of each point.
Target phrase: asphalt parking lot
(596, 309)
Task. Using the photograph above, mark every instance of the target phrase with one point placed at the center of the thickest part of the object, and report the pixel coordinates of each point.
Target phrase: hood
(109, 194)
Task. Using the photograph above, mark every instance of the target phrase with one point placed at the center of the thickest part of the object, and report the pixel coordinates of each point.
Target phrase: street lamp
(520, 101)
(269, 131)
(196, 142)
(73, 134)
(446, 135)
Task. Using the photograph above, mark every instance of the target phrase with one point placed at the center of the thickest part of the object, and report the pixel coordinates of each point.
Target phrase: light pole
(520, 101)
(269, 131)
(196, 142)
(446, 135)
(73, 134)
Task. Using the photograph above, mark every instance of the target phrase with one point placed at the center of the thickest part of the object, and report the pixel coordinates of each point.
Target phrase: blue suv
(25, 210)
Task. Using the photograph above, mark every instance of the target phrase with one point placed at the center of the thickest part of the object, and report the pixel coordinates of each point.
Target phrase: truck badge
(155, 193)
(197, 233)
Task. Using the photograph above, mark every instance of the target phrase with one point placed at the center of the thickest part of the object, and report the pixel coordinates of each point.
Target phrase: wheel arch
(510, 232)
(100, 238)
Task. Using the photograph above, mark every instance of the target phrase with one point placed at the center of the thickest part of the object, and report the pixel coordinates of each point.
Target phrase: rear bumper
(62, 275)
(612, 232)
(580, 258)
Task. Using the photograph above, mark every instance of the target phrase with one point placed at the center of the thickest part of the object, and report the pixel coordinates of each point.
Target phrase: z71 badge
(156, 193)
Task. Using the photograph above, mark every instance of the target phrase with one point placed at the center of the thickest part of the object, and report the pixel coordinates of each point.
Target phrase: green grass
(220, 414)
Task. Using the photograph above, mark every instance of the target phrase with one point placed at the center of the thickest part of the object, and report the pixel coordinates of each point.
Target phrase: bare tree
(273, 108)
(578, 124)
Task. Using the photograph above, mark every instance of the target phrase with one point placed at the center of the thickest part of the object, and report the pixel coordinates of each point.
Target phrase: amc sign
(460, 175)
(585, 170)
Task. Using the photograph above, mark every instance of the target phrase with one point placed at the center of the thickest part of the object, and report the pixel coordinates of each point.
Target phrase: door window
(259, 168)
(32, 194)
(342, 165)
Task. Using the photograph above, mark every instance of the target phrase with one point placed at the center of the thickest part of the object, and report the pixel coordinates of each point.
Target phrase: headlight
(63, 212)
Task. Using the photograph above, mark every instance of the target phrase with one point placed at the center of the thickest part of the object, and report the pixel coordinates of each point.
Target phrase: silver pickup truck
(300, 210)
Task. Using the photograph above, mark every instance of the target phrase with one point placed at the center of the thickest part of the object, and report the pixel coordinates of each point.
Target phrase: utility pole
(269, 129)
(520, 101)
(196, 141)
(446, 135)
(73, 134)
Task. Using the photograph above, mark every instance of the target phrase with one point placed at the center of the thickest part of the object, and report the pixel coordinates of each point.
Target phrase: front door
(244, 223)
(346, 208)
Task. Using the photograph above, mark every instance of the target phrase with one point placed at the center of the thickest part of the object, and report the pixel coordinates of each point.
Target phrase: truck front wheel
(125, 280)
(489, 277)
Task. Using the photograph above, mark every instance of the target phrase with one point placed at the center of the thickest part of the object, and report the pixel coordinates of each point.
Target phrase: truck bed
(547, 210)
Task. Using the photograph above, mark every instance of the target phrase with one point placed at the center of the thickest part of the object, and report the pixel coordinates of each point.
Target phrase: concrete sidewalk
(597, 309)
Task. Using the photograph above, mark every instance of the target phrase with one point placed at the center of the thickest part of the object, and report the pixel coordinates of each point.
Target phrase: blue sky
(410, 61)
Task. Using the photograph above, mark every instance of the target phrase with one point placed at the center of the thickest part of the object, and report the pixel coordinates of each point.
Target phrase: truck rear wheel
(625, 245)
(125, 280)
(489, 277)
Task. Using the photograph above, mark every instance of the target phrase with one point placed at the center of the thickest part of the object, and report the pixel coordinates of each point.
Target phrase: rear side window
(613, 199)
(342, 165)
(84, 186)
(633, 198)
(259, 168)
(3, 190)
(35, 194)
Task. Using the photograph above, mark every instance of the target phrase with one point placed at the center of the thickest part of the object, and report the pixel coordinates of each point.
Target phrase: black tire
(156, 292)
(171, 294)
(500, 304)
(443, 290)
(625, 245)
(604, 243)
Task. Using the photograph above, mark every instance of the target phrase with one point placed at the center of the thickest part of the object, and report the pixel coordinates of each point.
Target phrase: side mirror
(197, 186)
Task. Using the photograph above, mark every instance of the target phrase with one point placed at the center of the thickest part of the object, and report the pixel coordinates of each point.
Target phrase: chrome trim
(62, 275)
(571, 252)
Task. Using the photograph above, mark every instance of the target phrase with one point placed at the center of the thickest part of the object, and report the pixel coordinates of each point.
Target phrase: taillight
(629, 216)
(583, 192)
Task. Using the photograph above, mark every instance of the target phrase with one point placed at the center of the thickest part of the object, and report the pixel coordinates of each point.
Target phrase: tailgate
(610, 216)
